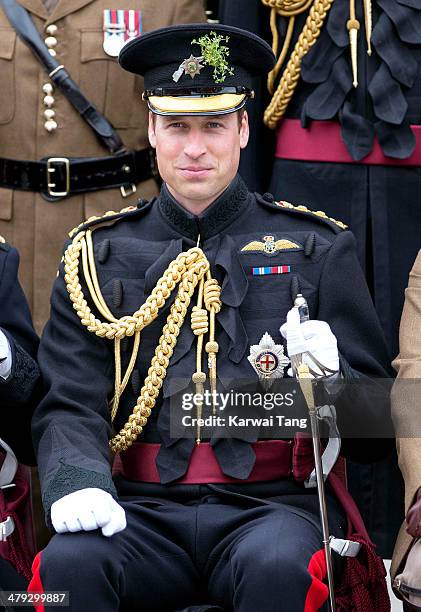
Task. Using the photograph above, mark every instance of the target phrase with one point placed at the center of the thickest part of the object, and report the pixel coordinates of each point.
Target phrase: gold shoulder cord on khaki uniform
(189, 269)
(309, 35)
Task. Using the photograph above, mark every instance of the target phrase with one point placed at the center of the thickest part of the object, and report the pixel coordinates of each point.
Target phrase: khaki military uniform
(405, 404)
(36, 227)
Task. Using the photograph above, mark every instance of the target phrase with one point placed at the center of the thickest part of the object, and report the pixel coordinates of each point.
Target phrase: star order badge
(191, 66)
(268, 360)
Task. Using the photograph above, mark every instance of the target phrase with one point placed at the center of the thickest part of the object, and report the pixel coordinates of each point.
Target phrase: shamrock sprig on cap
(215, 54)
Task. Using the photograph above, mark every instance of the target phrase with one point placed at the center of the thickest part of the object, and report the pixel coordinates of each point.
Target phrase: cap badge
(191, 66)
(213, 54)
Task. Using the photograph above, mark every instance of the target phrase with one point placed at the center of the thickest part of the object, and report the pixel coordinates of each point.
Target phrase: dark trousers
(230, 550)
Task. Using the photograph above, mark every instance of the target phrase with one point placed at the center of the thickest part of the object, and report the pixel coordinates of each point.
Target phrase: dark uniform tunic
(378, 202)
(176, 542)
(18, 393)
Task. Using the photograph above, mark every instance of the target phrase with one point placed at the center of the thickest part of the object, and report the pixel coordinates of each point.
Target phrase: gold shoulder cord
(317, 213)
(309, 35)
(188, 270)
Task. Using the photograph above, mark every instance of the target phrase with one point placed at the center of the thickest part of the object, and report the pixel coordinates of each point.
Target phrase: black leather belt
(58, 177)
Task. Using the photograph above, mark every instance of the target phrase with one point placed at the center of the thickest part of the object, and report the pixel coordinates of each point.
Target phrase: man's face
(198, 156)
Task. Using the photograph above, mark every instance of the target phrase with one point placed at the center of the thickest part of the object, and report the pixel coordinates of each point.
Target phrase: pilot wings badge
(268, 360)
(270, 246)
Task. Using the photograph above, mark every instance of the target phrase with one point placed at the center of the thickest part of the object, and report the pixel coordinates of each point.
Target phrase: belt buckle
(51, 169)
(128, 190)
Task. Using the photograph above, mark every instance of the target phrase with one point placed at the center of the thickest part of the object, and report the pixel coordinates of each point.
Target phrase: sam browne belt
(58, 177)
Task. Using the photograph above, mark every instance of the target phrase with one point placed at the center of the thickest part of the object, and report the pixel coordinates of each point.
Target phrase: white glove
(86, 510)
(313, 337)
(5, 356)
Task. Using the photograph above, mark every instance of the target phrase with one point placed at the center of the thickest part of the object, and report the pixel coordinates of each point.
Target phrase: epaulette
(318, 215)
(111, 216)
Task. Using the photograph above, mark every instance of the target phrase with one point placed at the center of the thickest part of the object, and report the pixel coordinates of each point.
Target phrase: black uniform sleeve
(71, 426)
(20, 392)
(363, 408)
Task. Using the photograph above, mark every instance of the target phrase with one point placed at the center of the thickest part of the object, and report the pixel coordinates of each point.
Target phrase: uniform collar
(213, 220)
(63, 8)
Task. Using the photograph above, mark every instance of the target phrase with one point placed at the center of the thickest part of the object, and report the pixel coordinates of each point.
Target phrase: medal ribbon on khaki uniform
(119, 27)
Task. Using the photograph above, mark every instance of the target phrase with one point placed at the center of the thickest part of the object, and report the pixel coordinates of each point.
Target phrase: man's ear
(151, 130)
(244, 130)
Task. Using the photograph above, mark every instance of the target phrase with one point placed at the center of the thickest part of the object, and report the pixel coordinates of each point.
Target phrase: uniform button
(52, 52)
(47, 88)
(268, 197)
(49, 113)
(50, 41)
(51, 29)
(48, 100)
(50, 125)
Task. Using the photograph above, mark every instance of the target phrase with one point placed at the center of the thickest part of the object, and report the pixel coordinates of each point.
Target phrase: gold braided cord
(285, 8)
(212, 292)
(91, 277)
(317, 213)
(95, 289)
(163, 353)
(200, 327)
(187, 270)
(89, 270)
(353, 25)
(273, 74)
(289, 79)
(109, 213)
(288, 8)
(368, 20)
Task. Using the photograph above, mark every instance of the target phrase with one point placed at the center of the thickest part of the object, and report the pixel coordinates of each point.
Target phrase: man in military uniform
(19, 393)
(226, 521)
(405, 409)
(345, 113)
(19, 373)
(37, 123)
